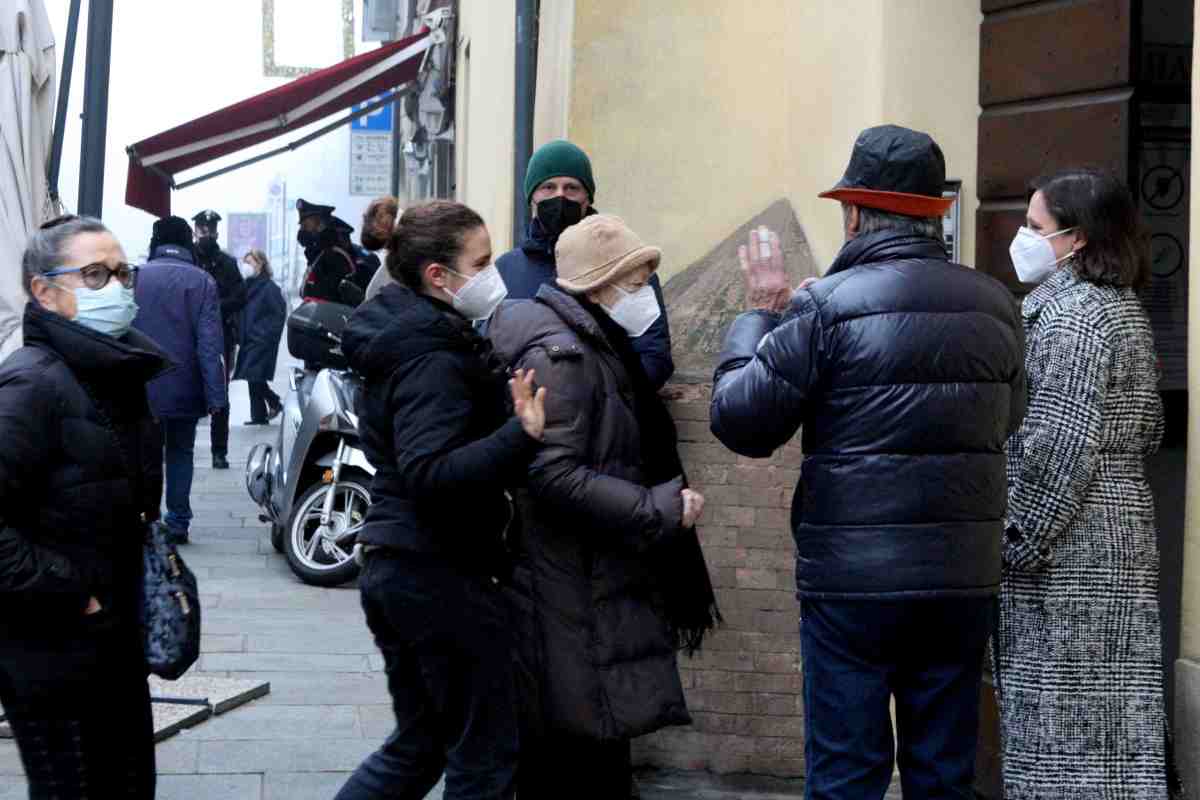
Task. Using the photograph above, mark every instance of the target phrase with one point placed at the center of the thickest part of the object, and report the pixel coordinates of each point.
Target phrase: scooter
(313, 484)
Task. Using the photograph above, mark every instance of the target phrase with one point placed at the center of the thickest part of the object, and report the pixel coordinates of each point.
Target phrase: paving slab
(315, 754)
(171, 718)
(222, 693)
(266, 722)
(209, 787)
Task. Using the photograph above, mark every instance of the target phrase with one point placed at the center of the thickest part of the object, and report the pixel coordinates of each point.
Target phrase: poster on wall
(1163, 198)
(247, 231)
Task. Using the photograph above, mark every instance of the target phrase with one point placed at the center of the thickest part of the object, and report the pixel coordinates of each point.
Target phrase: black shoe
(220, 462)
(275, 411)
(257, 422)
(175, 536)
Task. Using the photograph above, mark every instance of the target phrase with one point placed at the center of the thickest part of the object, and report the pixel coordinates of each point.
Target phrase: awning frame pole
(64, 94)
(95, 107)
(362, 112)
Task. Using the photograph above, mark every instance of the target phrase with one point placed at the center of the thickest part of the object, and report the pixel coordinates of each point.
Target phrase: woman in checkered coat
(1080, 670)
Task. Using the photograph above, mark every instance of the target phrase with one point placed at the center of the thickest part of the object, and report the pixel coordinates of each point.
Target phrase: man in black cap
(905, 374)
(329, 263)
(224, 270)
(179, 308)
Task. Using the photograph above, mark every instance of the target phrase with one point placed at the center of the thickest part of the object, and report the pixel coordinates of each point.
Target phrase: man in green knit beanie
(561, 191)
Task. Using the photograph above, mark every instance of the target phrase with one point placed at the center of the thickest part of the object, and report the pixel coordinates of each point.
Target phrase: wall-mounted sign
(247, 231)
(950, 221)
(1164, 202)
(371, 152)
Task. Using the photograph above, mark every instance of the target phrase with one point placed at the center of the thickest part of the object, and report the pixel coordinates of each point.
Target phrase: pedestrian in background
(378, 222)
(261, 329)
(561, 191)
(232, 291)
(611, 572)
(80, 479)
(435, 425)
(179, 308)
(1080, 664)
(905, 373)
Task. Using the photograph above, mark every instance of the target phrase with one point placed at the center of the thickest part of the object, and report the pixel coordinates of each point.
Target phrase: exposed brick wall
(744, 687)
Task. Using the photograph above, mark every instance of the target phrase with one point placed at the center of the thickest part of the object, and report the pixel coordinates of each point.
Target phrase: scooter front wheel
(324, 555)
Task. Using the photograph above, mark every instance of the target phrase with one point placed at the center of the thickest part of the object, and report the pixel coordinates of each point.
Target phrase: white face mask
(635, 311)
(1033, 255)
(247, 270)
(480, 295)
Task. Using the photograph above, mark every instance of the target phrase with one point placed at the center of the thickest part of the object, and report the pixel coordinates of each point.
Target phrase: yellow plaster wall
(485, 89)
(699, 113)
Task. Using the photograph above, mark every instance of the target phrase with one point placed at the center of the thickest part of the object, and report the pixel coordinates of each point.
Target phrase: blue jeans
(927, 654)
(179, 435)
(446, 638)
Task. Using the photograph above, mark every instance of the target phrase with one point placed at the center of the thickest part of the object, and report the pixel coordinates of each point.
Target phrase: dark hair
(428, 233)
(378, 222)
(1102, 209)
(44, 250)
(171, 230)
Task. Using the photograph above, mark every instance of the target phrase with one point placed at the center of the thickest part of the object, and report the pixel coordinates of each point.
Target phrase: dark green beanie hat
(559, 159)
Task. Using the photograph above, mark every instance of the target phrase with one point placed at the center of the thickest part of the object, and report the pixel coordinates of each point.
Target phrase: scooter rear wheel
(326, 557)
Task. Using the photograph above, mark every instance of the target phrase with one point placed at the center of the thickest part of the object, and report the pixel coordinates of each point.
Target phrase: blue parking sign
(378, 121)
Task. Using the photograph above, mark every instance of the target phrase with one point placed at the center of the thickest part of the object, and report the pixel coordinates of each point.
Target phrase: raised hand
(530, 406)
(767, 285)
(693, 507)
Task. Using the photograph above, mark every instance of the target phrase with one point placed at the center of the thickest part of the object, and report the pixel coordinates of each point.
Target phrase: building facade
(703, 118)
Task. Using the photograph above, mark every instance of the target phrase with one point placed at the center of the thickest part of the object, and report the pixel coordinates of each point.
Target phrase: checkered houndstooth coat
(1080, 669)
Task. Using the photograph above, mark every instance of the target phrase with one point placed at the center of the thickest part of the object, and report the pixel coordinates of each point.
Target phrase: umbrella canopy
(27, 86)
(154, 162)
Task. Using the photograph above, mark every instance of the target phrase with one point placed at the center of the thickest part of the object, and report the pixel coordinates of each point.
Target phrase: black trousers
(927, 655)
(447, 649)
(220, 420)
(90, 737)
(262, 400)
(592, 770)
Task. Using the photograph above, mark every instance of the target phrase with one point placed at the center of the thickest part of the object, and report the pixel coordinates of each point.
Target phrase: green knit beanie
(559, 159)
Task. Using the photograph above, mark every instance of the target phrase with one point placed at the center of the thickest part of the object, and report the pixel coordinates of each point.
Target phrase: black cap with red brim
(895, 169)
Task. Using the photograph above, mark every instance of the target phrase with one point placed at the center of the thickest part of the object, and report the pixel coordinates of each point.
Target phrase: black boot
(220, 462)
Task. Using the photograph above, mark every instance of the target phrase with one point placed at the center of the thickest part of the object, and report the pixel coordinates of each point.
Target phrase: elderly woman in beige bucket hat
(610, 574)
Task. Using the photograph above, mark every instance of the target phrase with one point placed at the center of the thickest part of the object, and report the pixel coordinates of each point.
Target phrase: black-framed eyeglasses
(96, 276)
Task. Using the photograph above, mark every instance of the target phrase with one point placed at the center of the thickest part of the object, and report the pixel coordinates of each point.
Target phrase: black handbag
(170, 609)
(170, 603)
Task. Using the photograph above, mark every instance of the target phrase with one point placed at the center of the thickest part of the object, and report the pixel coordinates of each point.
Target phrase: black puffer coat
(606, 666)
(74, 497)
(907, 375)
(435, 425)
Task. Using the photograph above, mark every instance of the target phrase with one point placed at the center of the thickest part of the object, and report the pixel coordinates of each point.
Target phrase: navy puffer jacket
(906, 373)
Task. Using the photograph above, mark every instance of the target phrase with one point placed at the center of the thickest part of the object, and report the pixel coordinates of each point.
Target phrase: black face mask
(207, 247)
(557, 214)
(306, 238)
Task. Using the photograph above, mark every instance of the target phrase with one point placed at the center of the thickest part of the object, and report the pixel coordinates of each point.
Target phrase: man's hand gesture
(530, 406)
(767, 285)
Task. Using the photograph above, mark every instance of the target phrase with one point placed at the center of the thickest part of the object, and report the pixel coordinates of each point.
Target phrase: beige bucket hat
(598, 251)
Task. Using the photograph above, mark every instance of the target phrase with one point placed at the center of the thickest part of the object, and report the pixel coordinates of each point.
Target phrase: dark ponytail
(425, 234)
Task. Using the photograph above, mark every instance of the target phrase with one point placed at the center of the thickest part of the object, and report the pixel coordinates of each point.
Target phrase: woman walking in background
(1079, 661)
(261, 326)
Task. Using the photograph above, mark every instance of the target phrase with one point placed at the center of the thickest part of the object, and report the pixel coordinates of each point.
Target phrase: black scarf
(690, 605)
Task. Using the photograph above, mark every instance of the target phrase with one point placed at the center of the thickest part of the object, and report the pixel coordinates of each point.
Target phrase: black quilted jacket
(906, 374)
(75, 493)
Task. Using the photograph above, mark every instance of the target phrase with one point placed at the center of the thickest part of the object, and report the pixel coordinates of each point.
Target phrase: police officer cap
(341, 226)
(207, 217)
(307, 209)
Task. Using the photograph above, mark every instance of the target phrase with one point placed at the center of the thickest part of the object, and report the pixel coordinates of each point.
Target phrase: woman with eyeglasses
(80, 479)
(261, 327)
